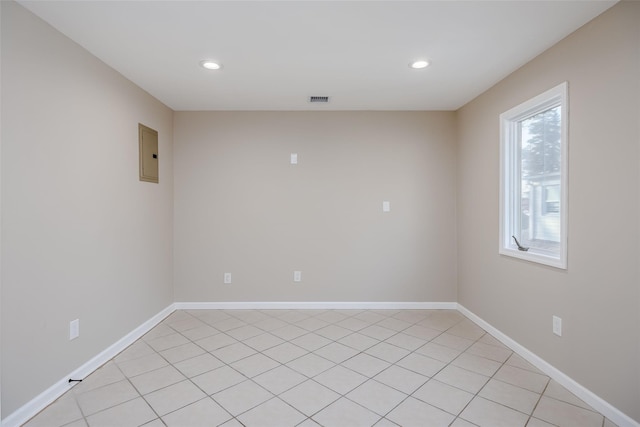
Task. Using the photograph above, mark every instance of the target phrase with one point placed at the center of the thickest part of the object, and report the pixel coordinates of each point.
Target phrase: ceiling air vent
(320, 99)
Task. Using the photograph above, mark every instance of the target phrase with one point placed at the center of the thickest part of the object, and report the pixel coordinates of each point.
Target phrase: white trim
(331, 305)
(596, 402)
(44, 399)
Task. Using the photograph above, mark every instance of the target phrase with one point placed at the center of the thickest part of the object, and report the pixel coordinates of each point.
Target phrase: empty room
(320, 213)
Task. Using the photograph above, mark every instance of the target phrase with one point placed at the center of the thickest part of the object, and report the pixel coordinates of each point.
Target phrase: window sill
(536, 257)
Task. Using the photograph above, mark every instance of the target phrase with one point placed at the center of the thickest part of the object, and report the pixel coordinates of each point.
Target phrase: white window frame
(510, 181)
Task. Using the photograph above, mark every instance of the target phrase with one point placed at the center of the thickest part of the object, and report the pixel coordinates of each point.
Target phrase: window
(533, 179)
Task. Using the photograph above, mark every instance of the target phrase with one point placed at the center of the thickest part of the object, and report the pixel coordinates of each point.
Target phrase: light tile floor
(333, 368)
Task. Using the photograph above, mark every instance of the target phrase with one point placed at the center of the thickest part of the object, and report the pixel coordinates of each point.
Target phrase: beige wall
(598, 296)
(241, 207)
(81, 236)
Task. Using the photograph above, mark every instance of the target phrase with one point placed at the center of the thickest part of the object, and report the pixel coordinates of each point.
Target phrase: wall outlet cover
(297, 276)
(227, 278)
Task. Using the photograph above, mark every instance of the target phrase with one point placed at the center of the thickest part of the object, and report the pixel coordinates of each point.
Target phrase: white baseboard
(331, 305)
(44, 399)
(596, 402)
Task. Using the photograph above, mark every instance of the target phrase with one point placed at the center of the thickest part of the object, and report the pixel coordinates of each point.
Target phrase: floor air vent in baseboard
(320, 99)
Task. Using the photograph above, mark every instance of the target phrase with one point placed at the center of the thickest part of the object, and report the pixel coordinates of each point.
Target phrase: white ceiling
(276, 54)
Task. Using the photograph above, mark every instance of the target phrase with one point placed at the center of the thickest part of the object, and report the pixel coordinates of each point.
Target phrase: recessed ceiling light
(210, 65)
(421, 63)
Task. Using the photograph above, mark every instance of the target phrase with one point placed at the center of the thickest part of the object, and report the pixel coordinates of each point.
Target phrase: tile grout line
(207, 396)
(477, 394)
(138, 391)
(312, 378)
(277, 396)
(250, 378)
(153, 370)
(537, 403)
(391, 364)
(432, 378)
(395, 364)
(126, 378)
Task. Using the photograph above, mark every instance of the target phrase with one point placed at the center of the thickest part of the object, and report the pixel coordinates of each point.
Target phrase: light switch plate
(297, 276)
(227, 278)
(386, 206)
(557, 326)
(74, 329)
(294, 158)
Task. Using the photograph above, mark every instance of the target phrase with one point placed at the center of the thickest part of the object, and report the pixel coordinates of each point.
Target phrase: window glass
(540, 161)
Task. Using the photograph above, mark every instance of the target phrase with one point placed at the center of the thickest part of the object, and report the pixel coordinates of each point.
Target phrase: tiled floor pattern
(333, 368)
